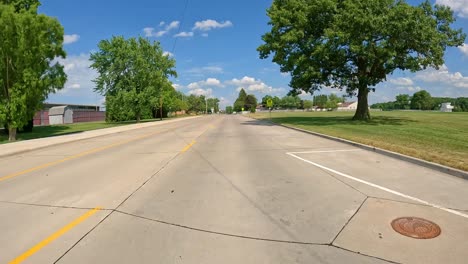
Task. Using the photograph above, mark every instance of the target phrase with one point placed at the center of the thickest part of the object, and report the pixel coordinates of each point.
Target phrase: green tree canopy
(354, 45)
(134, 69)
(240, 101)
(30, 43)
(422, 100)
(403, 101)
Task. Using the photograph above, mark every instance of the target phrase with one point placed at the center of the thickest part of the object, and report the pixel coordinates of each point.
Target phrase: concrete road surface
(223, 189)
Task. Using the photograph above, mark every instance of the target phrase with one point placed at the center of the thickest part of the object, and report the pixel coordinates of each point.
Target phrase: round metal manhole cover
(416, 227)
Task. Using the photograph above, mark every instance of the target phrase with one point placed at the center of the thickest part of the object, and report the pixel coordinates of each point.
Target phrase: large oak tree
(355, 44)
(30, 43)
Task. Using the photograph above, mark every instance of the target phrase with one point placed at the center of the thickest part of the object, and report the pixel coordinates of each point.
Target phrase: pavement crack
(365, 255)
(53, 206)
(414, 203)
(221, 233)
(349, 220)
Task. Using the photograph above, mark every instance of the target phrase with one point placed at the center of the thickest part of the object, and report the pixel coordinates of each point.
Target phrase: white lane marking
(381, 187)
(325, 151)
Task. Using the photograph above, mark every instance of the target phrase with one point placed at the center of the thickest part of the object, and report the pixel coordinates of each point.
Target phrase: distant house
(59, 115)
(347, 106)
(446, 107)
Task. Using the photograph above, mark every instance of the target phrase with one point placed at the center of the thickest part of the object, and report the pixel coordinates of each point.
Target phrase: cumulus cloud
(163, 29)
(206, 92)
(177, 86)
(209, 24)
(401, 81)
(443, 76)
(68, 39)
(464, 49)
(169, 54)
(458, 6)
(253, 85)
(210, 82)
(184, 34)
(79, 87)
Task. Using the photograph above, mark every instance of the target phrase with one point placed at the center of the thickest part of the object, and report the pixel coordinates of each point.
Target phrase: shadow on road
(331, 121)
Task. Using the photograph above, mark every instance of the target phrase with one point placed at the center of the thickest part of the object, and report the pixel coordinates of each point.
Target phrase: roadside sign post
(270, 105)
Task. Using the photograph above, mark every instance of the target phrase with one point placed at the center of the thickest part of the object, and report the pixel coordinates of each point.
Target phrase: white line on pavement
(381, 187)
(325, 151)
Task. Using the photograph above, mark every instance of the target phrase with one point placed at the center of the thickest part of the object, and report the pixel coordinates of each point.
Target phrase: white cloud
(177, 86)
(206, 92)
(68, 39)
(401, 81)
(75, 86)
(172, 25)
(167, 53)
(79, 87)
(206, 69)
(204, 35)
(443, 76)
(150, 32)
(210, 82)
(464, 49)
(409, 88)
(184, 34)
(210, 24)
(458, 6)
(253, 85)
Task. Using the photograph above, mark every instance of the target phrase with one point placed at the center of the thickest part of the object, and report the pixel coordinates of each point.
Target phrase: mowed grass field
(57, 130)
(433, 136)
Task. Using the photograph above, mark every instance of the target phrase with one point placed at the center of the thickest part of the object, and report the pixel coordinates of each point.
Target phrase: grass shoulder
(433, 136)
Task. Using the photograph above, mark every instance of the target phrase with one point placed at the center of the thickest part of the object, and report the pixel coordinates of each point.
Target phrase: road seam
(54, 236)
(362, 254)
(349, 220)
(128, 197)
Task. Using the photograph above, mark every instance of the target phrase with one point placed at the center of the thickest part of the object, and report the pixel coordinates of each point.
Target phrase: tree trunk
(138, 118)
(362, 111)
(11, 134)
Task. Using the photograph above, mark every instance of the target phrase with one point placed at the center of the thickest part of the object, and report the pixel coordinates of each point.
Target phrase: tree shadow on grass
(331, 121)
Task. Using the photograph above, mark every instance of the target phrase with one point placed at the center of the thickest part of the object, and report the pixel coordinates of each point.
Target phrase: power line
(180, 26)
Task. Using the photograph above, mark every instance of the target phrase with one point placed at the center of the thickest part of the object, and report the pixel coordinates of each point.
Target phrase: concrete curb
(15, 148)
(434, 166)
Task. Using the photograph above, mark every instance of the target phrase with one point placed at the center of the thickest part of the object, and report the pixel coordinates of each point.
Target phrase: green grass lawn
(432, 136)
(57, 130)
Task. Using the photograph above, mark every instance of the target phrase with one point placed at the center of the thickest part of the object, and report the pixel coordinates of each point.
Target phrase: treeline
(423, 100)
(294, 102)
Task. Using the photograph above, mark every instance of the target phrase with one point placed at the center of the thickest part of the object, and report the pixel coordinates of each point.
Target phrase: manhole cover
(416, 227)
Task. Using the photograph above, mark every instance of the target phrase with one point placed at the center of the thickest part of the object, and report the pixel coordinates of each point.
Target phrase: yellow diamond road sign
(269, 103)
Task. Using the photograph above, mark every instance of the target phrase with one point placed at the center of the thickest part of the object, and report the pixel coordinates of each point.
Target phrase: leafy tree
(320, 101)
(422, 100)
(30, 43)
(196, 104)
(461, 104)
(332, 101)
(290, 102)
(307, 104)
(240, 101)
(276, 101)
(213, 103)
(402, 101)
(251, 103)
(354, 45)
(134, 70)
(229, 110)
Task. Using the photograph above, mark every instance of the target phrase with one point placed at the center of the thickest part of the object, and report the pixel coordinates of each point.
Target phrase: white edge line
(381, 187)
(325, 151)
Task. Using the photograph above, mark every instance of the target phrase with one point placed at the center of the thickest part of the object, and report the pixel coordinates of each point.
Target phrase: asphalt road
(223, 189)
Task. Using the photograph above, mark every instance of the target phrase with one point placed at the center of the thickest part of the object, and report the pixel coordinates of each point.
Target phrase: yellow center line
(54, 236)
(188, 146)
(88, 152)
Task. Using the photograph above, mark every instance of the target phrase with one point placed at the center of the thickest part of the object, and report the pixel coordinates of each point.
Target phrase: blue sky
(214, 45)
